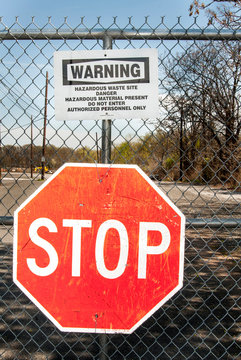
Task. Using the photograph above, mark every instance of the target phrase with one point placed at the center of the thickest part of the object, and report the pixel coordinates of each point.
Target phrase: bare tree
(225, 12)
(207, 81)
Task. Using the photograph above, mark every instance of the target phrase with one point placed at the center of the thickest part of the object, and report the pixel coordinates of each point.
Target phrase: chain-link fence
(192, 151)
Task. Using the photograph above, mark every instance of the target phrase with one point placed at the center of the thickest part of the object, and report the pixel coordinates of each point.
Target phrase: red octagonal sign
(98, 248)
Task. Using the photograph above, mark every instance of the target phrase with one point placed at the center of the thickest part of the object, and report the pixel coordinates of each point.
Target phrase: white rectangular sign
(106, 84)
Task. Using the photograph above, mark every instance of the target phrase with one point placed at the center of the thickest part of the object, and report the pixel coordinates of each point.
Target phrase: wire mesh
(192, 151)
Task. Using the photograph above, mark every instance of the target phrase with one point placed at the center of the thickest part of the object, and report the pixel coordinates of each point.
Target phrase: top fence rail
(131, 34)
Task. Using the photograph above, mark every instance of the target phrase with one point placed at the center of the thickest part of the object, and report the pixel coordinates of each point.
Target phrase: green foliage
(169, 163)
(198, 144)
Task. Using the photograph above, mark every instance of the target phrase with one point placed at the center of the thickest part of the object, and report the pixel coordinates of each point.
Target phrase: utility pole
(31, 149)
(0, 154)
(181, 144)
(44, 130)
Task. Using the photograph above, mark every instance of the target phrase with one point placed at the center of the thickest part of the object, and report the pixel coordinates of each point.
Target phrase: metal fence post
(105, 159)
(106, 123)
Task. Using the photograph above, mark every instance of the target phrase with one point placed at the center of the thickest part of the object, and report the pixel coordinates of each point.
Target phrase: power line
(18, 93)
(15, 103)
(17, 98)
(20, 127)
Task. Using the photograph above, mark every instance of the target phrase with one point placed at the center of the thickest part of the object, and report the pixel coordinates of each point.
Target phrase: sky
(74, 10)
(107, 9)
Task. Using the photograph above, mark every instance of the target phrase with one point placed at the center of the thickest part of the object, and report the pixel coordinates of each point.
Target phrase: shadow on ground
(200, 322)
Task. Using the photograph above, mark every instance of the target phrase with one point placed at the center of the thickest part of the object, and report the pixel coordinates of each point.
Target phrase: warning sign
(102, 84)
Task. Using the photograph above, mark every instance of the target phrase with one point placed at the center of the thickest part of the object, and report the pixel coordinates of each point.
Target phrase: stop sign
(98, 248)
